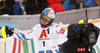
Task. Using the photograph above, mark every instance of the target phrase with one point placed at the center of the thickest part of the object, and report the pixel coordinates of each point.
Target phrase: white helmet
(49, 14)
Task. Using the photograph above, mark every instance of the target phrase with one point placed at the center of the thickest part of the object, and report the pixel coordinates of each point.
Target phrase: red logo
(43, 34)
(81, 49)
(62, 31)
(57, 25)
(30, 32)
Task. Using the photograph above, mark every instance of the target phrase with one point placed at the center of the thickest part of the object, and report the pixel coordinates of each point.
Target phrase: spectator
(35, 6)
(85, 1)
(71, 4)
(2, 5)
(56, 5)
(97, 2)
(19, 7)
(9, 6)
(89, 3)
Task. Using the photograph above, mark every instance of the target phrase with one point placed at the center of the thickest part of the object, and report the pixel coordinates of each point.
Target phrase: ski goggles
(46, 18)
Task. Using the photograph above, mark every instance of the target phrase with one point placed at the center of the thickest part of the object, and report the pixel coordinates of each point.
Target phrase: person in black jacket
(2, 6)
(35, 6)
(9, 6)
(81, 38)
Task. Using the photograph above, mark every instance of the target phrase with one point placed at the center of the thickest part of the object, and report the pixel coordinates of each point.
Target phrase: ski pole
(3, 33)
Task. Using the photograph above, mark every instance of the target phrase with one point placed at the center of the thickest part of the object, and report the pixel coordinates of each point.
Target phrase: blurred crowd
(29, 7)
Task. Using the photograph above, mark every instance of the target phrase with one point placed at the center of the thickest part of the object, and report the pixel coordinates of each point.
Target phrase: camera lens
(92, 37)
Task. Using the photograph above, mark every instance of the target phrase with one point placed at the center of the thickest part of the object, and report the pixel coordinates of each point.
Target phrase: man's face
(98, 2)
(45, 19)
(44, 22)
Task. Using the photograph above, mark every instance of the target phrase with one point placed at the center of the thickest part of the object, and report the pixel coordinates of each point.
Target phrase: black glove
(9, 31)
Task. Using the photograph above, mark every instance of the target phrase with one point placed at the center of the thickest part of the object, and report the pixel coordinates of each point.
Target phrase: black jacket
(35, 6)
(9, 7)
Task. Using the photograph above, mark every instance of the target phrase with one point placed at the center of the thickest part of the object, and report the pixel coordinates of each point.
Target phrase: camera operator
(81, 38)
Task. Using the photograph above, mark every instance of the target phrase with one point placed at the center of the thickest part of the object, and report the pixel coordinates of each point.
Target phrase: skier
(46, 34)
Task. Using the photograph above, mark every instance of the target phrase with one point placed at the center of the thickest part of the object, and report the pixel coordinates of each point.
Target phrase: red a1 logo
(43, 34)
